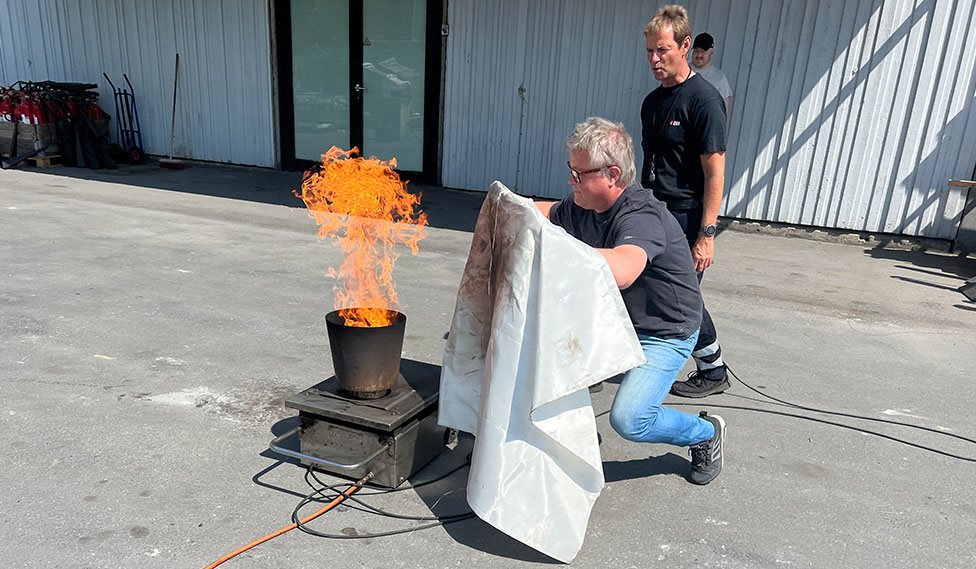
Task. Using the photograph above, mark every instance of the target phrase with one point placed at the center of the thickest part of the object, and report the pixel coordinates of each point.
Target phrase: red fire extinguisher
(31, 112)
(38, 113)
(96, 113)
(6, 109)
(22, 111)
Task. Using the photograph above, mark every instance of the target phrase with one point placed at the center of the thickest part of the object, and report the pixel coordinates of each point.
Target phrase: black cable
(369, 509)
(339, 488)
(377, 511)
(311, 497)
(841, 414)
(826, 422)
(833, 423)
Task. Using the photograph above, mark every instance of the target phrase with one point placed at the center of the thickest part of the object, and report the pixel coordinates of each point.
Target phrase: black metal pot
(366, 359)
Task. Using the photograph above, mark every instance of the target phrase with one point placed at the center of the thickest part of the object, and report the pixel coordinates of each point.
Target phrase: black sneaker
(596, 387)
(697, 386)
(706, 456)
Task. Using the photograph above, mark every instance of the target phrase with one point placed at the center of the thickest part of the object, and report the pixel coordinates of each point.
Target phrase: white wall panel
(224, 107)
(846, 114)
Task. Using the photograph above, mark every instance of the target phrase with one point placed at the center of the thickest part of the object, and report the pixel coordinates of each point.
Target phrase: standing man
(646, 252)
(701, 61)
(683, 139)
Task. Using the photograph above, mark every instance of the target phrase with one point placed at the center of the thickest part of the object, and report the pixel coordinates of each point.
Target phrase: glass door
(320, 76)
(394, 49)
(363, 73)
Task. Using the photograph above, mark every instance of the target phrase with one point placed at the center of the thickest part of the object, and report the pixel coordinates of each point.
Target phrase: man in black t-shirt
(683, 139)
(649, 258)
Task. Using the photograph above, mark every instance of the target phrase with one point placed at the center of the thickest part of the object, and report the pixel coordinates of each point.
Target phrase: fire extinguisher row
(48, 102)
(57, 119)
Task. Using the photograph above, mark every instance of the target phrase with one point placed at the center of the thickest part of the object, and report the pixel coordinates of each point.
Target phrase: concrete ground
(152, 322)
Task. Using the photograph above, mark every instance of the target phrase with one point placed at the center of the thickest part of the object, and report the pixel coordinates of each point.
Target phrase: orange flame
(365, 207)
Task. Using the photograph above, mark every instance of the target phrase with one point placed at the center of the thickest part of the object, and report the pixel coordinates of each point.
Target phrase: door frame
(433, 62)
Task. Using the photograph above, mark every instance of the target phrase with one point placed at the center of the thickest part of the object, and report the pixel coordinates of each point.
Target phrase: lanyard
(664, 121)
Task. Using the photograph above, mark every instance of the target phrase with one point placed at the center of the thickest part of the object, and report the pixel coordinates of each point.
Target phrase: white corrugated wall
(846, 114)
(224, 106)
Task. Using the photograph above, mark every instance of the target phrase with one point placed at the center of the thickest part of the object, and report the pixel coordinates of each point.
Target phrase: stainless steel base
(351, 452)
(392, 437)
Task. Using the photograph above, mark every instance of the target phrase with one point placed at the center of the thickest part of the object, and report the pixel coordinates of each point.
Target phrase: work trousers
(707, 352)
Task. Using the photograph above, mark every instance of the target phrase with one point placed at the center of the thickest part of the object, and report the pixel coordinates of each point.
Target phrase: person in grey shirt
(701, 61)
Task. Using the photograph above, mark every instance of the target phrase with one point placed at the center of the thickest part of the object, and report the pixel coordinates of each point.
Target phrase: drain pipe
(518, 155)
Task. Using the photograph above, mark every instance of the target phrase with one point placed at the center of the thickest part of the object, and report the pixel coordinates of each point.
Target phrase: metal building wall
(846, 114)
(225, 104)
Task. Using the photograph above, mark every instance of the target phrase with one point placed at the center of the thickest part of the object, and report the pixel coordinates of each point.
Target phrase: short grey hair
(607, 143)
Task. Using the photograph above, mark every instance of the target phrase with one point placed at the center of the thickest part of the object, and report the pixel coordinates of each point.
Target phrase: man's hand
(703, 252)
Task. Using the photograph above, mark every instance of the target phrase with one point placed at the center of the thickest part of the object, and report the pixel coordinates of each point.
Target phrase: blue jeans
(637, 414)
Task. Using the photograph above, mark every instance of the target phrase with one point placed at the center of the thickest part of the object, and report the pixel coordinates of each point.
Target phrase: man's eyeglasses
(578, 176)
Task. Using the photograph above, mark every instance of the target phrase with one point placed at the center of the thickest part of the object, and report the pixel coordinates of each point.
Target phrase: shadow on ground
(931, 269)
(441, 485)
(925, 262)
(670, 463)
(445, 208)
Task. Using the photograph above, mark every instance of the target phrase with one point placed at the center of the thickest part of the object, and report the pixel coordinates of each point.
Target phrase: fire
(365, 207)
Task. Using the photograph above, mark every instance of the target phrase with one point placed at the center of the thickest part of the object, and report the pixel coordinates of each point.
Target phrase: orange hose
(335, 502)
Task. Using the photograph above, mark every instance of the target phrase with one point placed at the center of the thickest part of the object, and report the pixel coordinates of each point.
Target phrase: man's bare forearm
(714, 169)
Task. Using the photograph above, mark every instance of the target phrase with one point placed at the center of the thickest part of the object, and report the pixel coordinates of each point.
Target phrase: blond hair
(672, 17)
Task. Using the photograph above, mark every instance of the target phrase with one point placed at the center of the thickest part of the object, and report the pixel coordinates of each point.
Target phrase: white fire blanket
(538, 319)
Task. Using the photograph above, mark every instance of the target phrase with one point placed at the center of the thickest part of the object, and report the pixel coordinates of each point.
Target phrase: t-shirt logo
(674, 123)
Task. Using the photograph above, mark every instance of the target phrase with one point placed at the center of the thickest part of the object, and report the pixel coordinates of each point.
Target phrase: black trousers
(707, 352)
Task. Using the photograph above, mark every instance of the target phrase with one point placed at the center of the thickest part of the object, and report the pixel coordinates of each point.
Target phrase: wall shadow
(446, 208)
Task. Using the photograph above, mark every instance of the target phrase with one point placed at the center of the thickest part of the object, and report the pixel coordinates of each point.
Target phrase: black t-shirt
(665, 300)
(678, 125)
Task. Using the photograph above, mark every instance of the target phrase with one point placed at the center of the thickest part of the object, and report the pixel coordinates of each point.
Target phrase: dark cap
(703, 41)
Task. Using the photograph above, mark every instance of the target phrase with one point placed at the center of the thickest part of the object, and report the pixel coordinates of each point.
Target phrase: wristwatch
(709, 230)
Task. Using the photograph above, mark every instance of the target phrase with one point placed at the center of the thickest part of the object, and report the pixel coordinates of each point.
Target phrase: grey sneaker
(706, 456)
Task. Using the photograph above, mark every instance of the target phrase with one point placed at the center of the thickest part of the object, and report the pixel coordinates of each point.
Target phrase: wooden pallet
(38, 161)
(46, 161)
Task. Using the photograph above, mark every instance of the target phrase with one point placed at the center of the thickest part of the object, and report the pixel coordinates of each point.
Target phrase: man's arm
(626, 263)
(713, 164)
(544, 207)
